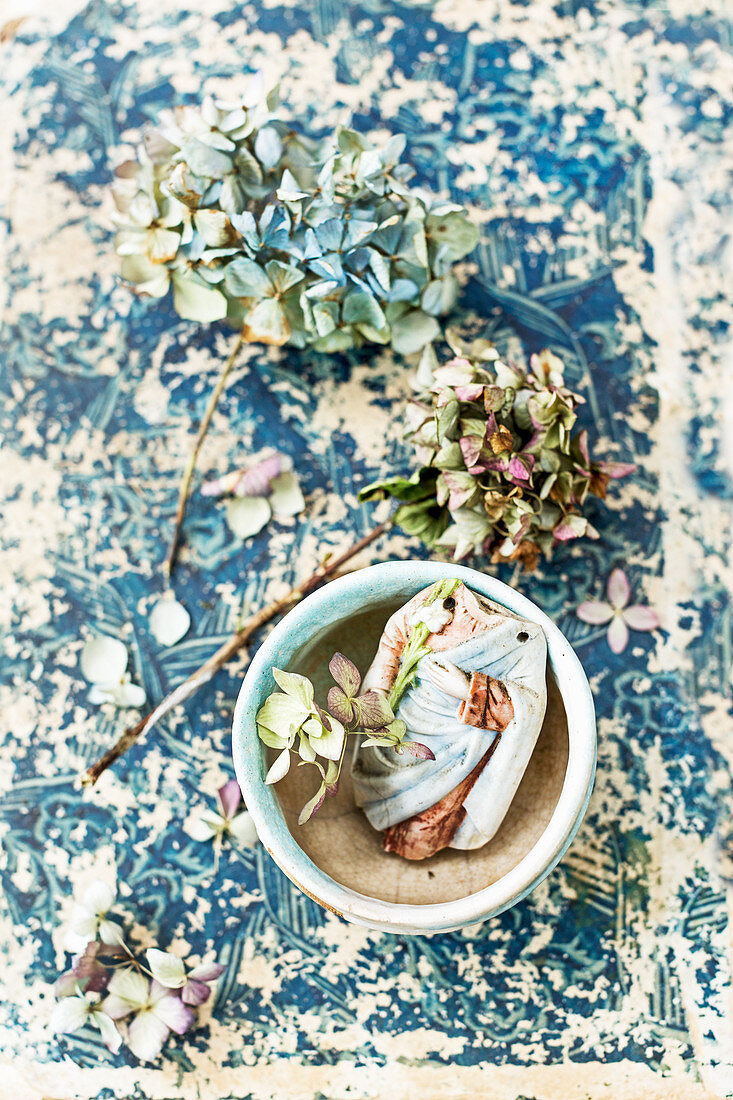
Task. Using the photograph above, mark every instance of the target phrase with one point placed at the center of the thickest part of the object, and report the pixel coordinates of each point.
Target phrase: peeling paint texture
(592, 142)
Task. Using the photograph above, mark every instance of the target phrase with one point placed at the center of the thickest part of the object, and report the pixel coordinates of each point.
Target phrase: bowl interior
(353, 855)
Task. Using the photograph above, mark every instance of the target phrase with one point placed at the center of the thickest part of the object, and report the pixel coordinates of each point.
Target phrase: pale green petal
(247, 515)
(195, 300)
(242, 828)
(331, 742)
(205, 826)
(166, 968)
(130, 986)
(286, 498)
(246, 279)
(295, 686)
(279, 769)
(413, 331)
(282, 713)
(266, 323)
(148, 278)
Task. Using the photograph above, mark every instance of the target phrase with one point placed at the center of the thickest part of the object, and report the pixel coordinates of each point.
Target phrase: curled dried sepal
(312, 805)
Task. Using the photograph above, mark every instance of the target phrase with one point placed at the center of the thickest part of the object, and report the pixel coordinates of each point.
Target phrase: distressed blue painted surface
(589, 142)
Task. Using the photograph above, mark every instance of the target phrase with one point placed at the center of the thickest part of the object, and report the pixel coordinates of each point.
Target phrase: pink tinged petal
(414, 748)
(520, 467)
(340, 705)
(313, 805)
(146, 1035)
(207, 972)
(458, 372)
(110, 1034)
(375, 710)
(583, 446)
(195, 993)
(470, 392)
(641, 618)
(471, 446)
(230, 796)
(499, 465)
(564, 532)
(345, 673)
(221, 486)
(595, 612)
(616, 470)
(70, 1014)
(618, 634)
(174, 1013)
(255, 482)
(65, 986)
(115, 1007)
(618, 589)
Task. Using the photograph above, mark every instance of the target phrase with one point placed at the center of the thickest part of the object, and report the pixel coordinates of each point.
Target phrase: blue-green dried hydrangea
(502, 472)
(296, 242)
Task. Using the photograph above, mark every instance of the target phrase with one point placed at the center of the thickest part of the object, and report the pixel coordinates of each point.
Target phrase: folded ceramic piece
(477, 699)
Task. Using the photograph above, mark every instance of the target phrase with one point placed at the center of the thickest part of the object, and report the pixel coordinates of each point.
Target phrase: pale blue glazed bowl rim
(387, 582)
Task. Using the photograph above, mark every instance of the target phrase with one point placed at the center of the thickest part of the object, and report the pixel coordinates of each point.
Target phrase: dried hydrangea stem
(238, 641)
(185, 487)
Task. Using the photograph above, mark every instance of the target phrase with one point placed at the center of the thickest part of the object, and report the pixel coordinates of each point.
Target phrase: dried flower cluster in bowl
(297, 242)
(291, 720)
(502, 470)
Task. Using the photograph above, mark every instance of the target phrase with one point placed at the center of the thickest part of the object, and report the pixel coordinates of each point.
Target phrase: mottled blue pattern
(589, 141)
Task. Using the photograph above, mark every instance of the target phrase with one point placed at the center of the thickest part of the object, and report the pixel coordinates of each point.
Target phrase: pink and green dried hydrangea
(503, 470)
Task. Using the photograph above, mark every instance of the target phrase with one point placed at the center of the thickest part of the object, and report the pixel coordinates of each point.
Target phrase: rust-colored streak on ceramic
(488, 706)
(425, 834)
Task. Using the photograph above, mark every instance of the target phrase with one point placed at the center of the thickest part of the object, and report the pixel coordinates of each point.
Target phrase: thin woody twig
(238, 641)
(185, 486)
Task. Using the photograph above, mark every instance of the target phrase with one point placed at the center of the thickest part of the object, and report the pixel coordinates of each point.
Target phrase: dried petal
(618, 634)
(345, 673)
(166, 968)
(641, 618)
(230, 797)
(618, 589)
(247, 515)
(169, 621)
(595, 612)
(415, 748)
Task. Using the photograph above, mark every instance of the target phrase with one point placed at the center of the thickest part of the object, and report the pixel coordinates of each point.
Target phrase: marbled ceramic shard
(477, 700)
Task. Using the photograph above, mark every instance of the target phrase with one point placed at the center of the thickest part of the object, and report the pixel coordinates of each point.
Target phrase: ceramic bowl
(337, 858)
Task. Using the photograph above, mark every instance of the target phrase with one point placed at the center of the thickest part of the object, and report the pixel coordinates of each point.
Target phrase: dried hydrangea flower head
(503, 472)
(296, 243)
